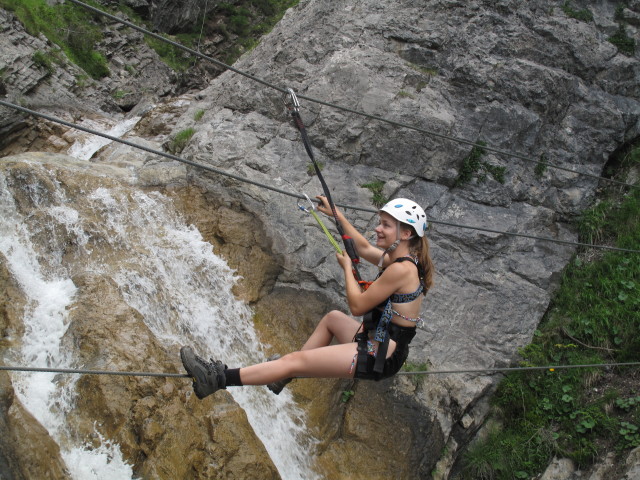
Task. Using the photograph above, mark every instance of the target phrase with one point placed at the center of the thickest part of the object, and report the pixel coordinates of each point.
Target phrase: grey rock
(525, 78)
(522, 76)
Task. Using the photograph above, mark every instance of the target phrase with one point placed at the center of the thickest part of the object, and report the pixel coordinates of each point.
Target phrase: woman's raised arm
(365, 250)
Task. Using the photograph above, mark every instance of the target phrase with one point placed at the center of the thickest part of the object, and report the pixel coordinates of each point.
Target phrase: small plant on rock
(181, 139)
(376, 187)
(473, 166)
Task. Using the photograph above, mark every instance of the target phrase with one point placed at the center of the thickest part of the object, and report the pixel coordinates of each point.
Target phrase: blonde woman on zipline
(374, 349)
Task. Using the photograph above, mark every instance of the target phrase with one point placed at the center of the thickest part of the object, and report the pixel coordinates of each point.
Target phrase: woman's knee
(295, 362)
(334, 316)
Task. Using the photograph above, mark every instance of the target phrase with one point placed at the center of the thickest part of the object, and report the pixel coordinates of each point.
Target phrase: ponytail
(420, 248)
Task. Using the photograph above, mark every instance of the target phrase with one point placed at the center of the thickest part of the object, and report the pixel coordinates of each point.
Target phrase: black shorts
(392, 365)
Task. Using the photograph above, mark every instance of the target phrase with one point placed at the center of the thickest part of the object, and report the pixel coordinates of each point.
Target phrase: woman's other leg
(334, 324)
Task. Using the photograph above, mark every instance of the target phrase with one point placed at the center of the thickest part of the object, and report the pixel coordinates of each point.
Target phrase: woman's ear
(406, 233)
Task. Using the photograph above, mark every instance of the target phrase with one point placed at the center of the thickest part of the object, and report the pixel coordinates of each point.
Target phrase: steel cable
(292, 194)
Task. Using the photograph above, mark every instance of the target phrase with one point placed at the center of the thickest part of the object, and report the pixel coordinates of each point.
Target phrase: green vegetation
(243, 23)
(594, 318)
(76, 30)
(346, 395)
(180, 140)
(430, 71)
(198, 115)
(43, 60)
(473, 166)
(82, 80)
(176, 58)
(120, 94)
(248, 20)
(70, 27)
(584, 15)
(311, 171)
(376, 187)
(622, 41)
(541, 167)
(416, 378)
(404, 94)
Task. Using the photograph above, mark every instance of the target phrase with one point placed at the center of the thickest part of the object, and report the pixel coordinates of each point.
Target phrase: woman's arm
(365, 250)
(391, 281)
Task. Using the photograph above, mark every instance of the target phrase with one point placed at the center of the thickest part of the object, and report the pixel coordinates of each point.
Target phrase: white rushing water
(183, 291)
(86, 144)
(48, 291)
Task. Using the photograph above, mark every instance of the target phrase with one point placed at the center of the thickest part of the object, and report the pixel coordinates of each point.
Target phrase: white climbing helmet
(409, 212)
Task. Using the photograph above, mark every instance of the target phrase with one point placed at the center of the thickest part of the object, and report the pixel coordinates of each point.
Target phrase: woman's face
(386, 231)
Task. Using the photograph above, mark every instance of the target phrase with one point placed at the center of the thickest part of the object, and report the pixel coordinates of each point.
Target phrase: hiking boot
(276, 387)
(208, 377)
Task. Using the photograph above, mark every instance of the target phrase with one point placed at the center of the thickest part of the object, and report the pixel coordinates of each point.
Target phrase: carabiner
(304, 209)
(291, 101)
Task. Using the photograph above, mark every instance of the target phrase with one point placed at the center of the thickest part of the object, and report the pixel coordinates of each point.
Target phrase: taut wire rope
(550, 368)
(244, 179)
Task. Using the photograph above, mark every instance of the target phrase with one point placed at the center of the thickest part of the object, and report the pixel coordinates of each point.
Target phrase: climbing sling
(292, 104)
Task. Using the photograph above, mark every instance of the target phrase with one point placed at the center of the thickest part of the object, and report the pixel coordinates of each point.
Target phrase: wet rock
(161, 428)
(26, 449)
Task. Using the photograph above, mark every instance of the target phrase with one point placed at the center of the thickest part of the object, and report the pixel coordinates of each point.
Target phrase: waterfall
(182, 280)
(167, 272)
(49, 291)
(86, 144)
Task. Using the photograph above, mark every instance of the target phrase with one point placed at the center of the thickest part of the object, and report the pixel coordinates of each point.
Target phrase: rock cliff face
(524, 77)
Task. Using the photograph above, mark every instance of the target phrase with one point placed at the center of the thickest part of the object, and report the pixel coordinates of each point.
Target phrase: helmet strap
(391, 247)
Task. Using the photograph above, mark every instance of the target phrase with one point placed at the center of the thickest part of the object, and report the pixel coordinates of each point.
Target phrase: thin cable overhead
(291, 194)
(550, 368)
(347, 109)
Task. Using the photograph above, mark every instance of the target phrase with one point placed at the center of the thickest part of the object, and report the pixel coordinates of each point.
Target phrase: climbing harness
(292, 104)
(378, 322)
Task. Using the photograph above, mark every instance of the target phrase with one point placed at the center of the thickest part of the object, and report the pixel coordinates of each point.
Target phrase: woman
(375, 349)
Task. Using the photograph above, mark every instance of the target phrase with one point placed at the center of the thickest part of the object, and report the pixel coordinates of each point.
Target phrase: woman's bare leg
(332, 361)
(333, 324)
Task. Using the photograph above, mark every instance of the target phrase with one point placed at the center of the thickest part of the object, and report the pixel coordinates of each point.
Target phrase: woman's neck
(401, 250)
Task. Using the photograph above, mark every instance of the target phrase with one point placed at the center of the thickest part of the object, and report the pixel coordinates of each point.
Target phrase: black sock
(233, 377)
